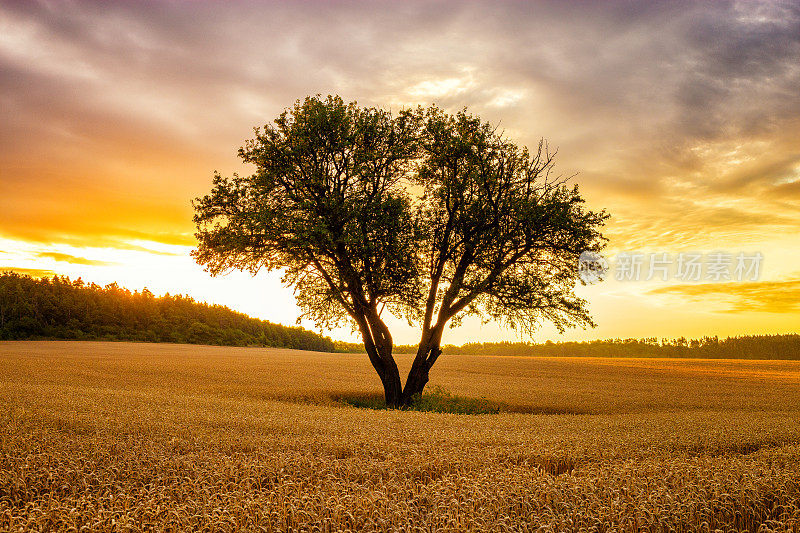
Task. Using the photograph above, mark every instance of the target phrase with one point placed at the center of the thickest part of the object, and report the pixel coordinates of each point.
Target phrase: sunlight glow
(116, 117)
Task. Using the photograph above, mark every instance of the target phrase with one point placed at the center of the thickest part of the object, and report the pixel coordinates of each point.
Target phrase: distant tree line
(743, 347)
(60, 308)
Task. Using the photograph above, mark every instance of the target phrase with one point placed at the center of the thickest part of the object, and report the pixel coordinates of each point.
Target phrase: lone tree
(426, 215)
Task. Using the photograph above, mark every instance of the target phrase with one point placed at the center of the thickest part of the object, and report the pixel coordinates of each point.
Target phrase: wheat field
(156, 437)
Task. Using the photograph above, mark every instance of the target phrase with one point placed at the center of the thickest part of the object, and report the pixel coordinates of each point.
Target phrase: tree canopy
(424, 214)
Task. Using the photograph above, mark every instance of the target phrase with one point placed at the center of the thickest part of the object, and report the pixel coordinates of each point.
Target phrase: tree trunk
(390, 376)
(427, 353)
(384, 364)
(392, 388)
(379, 351)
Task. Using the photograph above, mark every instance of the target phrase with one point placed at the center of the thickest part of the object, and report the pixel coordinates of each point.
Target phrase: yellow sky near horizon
(682, 119)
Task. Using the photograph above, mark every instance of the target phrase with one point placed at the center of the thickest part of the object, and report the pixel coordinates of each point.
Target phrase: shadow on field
(439, 400)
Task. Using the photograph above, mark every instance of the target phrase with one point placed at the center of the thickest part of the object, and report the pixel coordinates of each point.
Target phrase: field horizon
(133, 436)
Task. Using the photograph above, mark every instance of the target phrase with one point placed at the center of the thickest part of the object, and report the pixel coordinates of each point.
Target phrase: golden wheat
(137, 437)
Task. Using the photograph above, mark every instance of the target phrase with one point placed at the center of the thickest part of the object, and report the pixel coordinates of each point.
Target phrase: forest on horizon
(786, 346)
(60, 308)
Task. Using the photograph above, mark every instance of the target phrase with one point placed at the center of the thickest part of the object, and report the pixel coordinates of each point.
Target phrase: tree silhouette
(426, 215)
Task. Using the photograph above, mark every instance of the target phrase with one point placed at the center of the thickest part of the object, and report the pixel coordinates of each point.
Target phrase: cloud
(682, 118)
(763, 296)
(67, 258)
(788, 190)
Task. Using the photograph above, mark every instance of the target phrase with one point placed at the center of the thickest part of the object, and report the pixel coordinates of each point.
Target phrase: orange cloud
(762, 297)
(682, 118)
(67, 258)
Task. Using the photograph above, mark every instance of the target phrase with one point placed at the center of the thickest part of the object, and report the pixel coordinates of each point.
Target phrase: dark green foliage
(439, 400)
(502, 233)
(435, 400)
(58, 308)
(326, 205)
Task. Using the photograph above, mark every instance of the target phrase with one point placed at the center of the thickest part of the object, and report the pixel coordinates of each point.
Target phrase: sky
(682, 119)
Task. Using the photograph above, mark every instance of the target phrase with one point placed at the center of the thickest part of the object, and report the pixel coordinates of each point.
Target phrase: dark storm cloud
(743, 73)
(690, 61)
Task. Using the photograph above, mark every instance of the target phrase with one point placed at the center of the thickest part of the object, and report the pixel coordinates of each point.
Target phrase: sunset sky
(680, 118)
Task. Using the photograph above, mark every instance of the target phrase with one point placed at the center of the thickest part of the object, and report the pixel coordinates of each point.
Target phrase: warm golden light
(114, 120)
